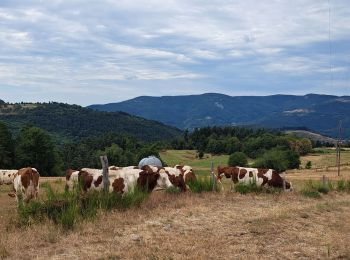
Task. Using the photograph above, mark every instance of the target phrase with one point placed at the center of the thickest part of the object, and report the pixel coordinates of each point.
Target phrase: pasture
(223, 225)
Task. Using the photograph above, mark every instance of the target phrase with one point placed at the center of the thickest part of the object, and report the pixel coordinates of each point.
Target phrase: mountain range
(319, 113)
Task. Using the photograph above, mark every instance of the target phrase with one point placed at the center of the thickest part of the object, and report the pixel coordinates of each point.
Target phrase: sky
(93, 52)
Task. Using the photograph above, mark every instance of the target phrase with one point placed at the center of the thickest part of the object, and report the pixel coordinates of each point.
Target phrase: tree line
(33, 146)
(269, 148)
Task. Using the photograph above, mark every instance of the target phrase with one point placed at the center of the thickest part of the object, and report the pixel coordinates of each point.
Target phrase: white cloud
(208, 44)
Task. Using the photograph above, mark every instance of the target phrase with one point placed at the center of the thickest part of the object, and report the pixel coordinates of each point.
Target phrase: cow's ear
(12, 195)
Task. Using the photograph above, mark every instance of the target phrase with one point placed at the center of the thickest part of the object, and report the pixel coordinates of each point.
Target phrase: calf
(7, 176)
(26, 184)
(261, 177)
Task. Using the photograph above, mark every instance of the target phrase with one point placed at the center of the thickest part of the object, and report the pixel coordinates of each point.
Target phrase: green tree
(305, 146)
(35, 148)
(200, 154)
(6, 147)
(238, 159)
(308, 165)
(279, 160)
(233, 145)
(115, 155)
(302, 146)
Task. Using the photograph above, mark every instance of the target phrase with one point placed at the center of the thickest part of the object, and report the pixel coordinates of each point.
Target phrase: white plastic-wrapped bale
(150, 160)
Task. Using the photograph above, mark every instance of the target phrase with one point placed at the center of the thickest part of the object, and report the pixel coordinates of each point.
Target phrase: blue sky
(85, 52)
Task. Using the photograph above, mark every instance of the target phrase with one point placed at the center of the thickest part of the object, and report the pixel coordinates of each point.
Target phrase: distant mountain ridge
(73, 122)
(320, 113)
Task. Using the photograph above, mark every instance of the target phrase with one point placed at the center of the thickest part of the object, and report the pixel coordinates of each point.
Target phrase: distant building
(150, 160)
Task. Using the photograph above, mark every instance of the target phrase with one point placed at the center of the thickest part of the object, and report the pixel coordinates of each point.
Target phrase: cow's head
(163, 181)
(289, 186)
(277, 181)
(224, 171)
(189, 174)
(219, 173)
(148, 177)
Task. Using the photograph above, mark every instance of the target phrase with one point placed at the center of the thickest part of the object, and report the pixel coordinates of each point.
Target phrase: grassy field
(322, 158)
(323, 163)
(189, 157)
(326, 158)
(221, 225)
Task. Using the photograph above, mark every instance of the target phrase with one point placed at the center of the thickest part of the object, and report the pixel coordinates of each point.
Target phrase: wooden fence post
(213, 176)
(105, 178)
(324, 180)
(284, 181)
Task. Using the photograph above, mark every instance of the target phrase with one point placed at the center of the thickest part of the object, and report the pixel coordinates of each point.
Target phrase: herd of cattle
(25, 182)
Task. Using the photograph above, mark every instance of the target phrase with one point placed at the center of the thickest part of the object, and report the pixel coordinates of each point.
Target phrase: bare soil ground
(192, 226)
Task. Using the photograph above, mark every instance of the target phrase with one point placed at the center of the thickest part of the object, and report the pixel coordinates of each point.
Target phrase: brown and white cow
(115, 168)
(26, 184)
(188, 172)
(122, 181)
(262, 177)
(176, 177)
(147, 178)
(7, 176)
(89, 178)
(71, 178)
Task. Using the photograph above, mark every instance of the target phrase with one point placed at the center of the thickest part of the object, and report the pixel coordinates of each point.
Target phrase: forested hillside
(53, 137)
(72, 122)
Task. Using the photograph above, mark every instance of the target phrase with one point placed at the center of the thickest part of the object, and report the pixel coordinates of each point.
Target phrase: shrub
(308, 165)
(238, 159)
(311, 194)
(279, 160)
(314, 188)
(343, 185)
(247, 188)
(200, 154)
(323, 189)
(172, 190)
(202, 185)
(243, 188)
(68, 208)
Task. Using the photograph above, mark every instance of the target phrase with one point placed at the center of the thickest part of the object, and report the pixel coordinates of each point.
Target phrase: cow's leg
(232, 186)
(222, 186)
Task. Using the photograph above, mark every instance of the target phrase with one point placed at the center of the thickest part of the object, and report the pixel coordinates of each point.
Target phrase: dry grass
(327, 159)
(195, 226)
